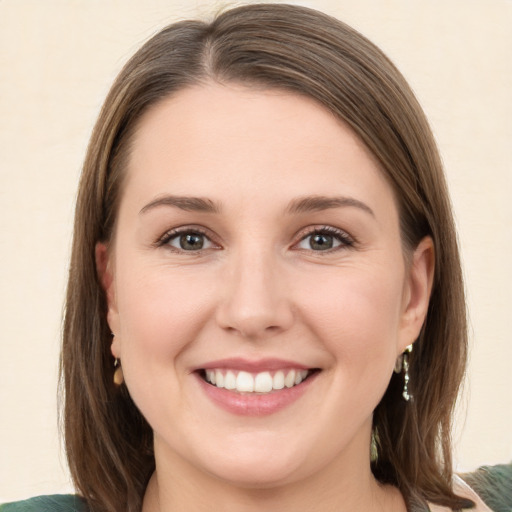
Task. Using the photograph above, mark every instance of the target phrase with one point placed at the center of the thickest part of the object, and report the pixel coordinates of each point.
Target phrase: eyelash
(346, 241)
(175, 233)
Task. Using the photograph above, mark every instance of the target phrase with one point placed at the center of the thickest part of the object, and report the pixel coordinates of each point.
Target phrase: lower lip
(253, 404)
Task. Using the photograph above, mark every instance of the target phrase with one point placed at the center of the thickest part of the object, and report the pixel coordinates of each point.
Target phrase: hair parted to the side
(108, 442)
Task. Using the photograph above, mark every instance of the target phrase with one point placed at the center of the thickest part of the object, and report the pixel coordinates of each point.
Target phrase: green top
(53, 503)
(492, 483)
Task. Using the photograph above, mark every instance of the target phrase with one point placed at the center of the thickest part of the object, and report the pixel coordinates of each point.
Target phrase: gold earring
(374, 450)
(118, 374)
(399, 364)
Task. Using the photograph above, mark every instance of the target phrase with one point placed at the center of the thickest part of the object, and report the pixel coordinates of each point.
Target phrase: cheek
(356, 314)
(160, 311)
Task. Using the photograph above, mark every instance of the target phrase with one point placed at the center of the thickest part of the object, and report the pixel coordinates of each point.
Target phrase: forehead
(206, 113)
(210, 139)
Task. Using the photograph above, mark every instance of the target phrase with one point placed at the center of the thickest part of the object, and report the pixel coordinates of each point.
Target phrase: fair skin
(270, 279)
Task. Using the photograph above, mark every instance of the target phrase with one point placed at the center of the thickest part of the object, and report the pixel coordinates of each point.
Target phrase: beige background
(57, 60)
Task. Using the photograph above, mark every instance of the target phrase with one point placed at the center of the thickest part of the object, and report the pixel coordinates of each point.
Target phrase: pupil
(321, 242)
(191, 241)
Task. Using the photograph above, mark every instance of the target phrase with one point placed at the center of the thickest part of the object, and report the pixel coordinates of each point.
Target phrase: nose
(256, 300)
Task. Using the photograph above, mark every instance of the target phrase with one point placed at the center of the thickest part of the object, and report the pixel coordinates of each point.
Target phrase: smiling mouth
(257, 383)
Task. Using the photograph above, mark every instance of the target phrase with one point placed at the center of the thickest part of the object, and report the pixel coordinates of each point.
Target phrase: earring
(402, 364)
(398, 364)
(374, 451)
(118, 374)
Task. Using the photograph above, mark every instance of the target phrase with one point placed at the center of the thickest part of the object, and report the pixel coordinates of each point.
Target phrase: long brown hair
(108, 442)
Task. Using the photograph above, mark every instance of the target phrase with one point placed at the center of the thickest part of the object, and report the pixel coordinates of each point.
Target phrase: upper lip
(253, 366)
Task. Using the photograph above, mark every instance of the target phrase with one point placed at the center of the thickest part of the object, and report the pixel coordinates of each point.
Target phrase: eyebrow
(319, 203)
(300, 205)
(189, 204)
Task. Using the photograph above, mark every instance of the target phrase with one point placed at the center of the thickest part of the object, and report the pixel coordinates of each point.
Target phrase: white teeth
(210, 376)
(230, 380)
(263, 382)
(300, 376)
(289, 380)
(245, 382)
(278, 380)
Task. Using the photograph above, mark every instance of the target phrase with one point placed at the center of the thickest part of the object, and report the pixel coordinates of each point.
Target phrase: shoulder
(493, 484)
(53, 503)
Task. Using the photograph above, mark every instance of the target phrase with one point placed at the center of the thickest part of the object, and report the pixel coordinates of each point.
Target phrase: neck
(336, 489)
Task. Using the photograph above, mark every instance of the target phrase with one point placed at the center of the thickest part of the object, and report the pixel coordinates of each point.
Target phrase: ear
(104, 268)
(417, 289)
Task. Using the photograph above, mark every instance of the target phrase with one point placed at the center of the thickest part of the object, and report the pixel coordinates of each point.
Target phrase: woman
(262, 221)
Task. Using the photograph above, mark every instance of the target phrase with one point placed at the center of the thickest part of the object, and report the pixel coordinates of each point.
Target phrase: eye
(187, 240)
(325, 239)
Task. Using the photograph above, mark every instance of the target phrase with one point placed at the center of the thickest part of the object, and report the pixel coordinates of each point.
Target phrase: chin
(258, 476)
(262, 465)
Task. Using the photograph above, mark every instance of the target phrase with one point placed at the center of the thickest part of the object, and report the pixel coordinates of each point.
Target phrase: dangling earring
(118, 374)
(374, 451)
(398, 364)
(402, 363)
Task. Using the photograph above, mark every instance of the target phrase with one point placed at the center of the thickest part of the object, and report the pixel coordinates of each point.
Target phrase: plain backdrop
(57, 61)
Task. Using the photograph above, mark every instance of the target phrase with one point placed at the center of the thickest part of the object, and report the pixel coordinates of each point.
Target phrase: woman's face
(257, 245)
